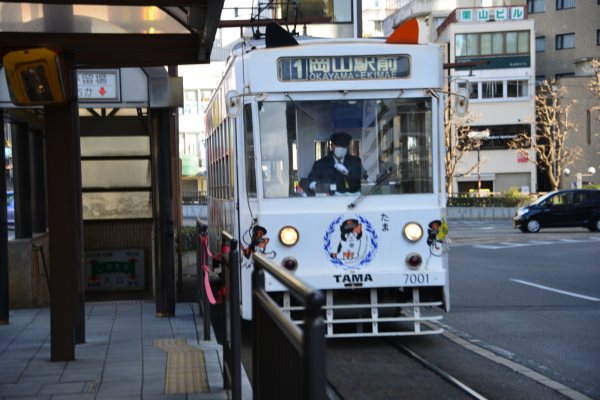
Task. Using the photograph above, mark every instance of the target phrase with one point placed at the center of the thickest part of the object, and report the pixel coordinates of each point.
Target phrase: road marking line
(513, 244)
(509, 245)
(556, 290)
(487, 246)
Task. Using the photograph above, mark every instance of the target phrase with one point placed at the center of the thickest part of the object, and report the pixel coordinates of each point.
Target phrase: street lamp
(478, 135)
(579, 176)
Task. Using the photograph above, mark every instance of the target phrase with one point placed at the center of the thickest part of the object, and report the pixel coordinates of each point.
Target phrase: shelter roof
(114, 33)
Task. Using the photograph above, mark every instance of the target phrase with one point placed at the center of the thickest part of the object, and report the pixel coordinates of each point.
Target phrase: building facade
(567, 36)
(497, 44)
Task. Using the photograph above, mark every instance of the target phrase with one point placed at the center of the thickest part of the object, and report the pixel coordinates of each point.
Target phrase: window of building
(517, 42)
(338, 10)
(378, 26)
(491, 90)
(472, 44)
(563, 4)
(472, 88)
(540, 44)
(536, 6)
(498, 43)
(486, 44)
(190, 102)
(598, 35)
(518, 88)
(510, 89)
(565, 41)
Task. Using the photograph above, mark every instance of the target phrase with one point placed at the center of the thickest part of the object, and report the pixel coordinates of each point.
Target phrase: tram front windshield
(391, 137)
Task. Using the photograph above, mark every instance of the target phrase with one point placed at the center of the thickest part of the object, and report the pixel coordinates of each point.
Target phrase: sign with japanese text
(109, 270)
(496, 62)
(98, 85)
(490, 14)
(343, 68)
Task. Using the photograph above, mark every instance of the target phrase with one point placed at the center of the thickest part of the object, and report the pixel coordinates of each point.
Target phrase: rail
(194, 198)
(287, 362)
(202, 257)
(232, 332)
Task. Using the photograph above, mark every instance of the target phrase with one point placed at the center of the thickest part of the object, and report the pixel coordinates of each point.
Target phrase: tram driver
(338, 171)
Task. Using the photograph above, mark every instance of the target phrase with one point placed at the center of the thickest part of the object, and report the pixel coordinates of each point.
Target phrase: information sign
(108, 270)
(343, 68)
(98, 85)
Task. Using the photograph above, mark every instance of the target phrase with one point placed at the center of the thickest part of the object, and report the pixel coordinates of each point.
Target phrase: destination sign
(343, 68)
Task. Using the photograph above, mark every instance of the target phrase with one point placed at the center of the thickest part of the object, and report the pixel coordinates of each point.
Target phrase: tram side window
(249, 152)
(277, 138)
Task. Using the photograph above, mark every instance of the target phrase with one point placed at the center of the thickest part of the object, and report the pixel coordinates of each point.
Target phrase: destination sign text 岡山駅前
(343, 68)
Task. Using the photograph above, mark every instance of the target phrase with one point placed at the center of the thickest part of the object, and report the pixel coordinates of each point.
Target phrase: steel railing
(288, 362)
(202, 260)
(194, 198)
(232, 334)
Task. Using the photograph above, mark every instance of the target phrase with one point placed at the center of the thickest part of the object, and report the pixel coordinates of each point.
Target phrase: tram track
(402, 372)
(439, 371)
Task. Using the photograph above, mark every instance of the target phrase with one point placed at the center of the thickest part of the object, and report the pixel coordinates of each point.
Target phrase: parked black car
(562, 208)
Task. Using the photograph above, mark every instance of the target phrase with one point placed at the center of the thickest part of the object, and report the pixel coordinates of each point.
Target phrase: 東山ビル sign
(490, 14)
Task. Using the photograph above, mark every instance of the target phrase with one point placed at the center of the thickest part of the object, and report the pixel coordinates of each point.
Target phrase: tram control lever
(378, 182)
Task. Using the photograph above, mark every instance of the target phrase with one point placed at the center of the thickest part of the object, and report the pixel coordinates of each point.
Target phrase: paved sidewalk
(129, 354)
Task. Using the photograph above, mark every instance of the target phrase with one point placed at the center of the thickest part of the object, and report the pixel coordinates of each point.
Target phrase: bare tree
(457, 142)
(594, 85)
(553, 127)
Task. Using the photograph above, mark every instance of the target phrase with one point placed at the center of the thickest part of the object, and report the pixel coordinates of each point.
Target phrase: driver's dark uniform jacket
(323, 171)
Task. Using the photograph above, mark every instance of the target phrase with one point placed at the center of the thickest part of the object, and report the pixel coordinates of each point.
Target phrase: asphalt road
(533, 298)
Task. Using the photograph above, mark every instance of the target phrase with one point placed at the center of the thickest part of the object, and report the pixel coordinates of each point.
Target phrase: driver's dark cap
(340, 139)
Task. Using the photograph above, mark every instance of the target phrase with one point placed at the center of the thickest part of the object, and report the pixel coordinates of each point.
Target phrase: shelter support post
(22, 183)
(65, 224)
(164, 239)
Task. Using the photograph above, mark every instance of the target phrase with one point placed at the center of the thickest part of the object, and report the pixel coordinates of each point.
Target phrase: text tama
(354, 278)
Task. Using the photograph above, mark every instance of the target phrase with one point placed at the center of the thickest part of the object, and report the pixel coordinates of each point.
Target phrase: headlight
(288, 236)
(522, 211)
(413, 231)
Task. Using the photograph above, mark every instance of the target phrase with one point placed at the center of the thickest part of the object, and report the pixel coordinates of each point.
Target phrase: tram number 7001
(416, 279)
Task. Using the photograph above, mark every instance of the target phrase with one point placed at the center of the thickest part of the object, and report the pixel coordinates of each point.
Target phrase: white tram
(379, 253)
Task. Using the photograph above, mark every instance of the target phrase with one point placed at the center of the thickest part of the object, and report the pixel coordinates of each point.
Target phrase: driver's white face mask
(340, 152)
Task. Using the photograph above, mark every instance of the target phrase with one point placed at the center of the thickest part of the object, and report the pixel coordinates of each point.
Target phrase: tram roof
(114, 33)
(312, 40)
